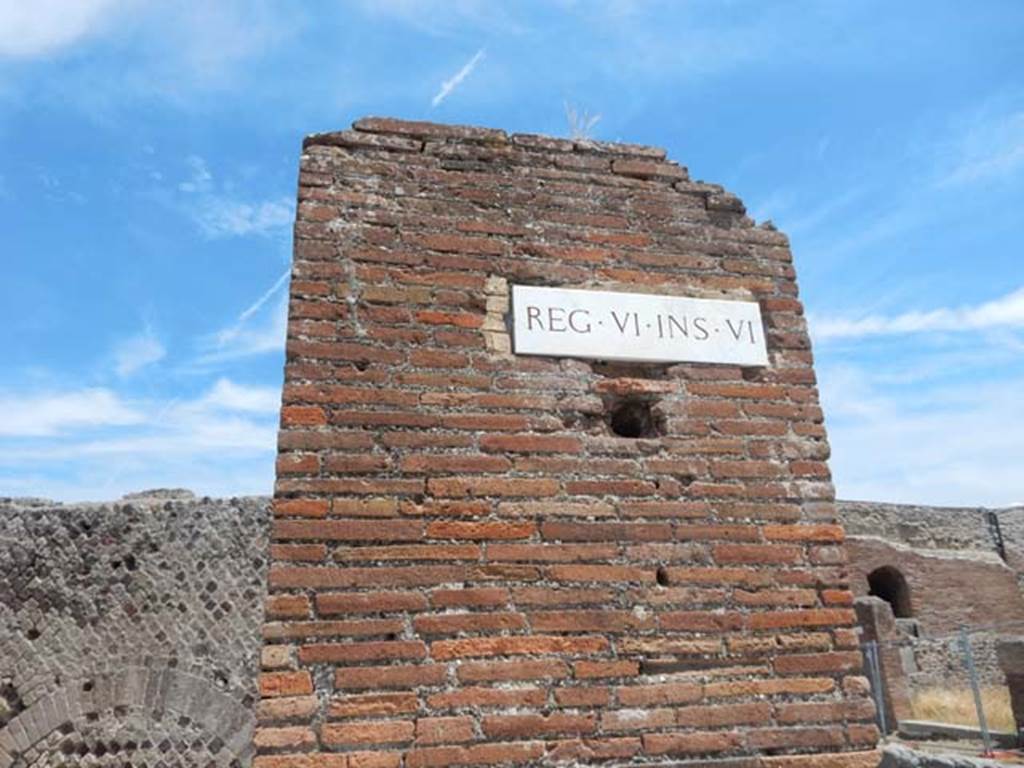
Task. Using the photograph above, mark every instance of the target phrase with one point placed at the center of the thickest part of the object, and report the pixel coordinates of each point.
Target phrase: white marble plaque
(608, 325)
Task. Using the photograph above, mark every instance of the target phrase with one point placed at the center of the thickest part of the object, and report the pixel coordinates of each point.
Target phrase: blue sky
(148, 155)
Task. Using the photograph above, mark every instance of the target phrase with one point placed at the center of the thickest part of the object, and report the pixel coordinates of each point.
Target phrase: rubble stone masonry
(469, 565)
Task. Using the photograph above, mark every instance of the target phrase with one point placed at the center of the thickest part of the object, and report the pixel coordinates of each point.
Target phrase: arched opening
(890, 585)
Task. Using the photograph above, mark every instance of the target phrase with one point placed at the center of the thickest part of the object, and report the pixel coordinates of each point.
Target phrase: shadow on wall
(129, 631)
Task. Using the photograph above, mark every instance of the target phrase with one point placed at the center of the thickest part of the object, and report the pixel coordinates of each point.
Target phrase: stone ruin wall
(161, 595)
(129, 632)
(949, 558)
(469, 565)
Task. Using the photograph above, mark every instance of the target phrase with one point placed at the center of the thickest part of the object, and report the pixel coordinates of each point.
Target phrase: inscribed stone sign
(609, 325)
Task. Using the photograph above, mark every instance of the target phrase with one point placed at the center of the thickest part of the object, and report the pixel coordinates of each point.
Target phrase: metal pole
(965, 646)
(875, 676)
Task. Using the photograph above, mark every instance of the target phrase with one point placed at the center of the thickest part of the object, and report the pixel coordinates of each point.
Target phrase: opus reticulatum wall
(128, 631)
(484, 558)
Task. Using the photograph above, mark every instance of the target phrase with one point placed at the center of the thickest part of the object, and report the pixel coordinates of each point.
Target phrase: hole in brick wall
(635, 419)
(32, 634)
(889, 584)
(661, 575)
(87, 686)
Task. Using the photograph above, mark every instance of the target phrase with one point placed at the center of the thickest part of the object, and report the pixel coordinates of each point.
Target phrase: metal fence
(953, 679)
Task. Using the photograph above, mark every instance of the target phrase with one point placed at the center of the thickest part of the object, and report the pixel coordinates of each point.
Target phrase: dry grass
(956, 706)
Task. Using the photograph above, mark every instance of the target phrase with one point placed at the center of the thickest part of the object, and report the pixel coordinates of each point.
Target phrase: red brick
(372, 705)
(514, 646)
(369, 602)
(809, 663)
(287, 606)
(563, 531)
(430, 463)
(285, 684)
(322, 629)
(308, 553)
(456, 487)
(613, 573)
(372, 651)
(486, 671)
(368, 732)
(531, 443)
(285, 576)
(301, 507)
(455, 623)
(609, 621)
(286, 708)
(727, 554)
(484, 698)
(289, 737)
(722, 715)
(520, 726)
(548, 596)
(599, 669)
(804, 532)
(480, 531)
(302, 416)
(795, 738)
(348, 530)
(582, 696)
(696, 742)
(362, 678)
(813, 618)
(433, 552)
(658, 695)
(637, 720)
(514, 753)
(444, 730)
(480, 597)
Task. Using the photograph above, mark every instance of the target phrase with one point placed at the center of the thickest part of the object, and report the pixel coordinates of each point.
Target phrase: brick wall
(469, 567)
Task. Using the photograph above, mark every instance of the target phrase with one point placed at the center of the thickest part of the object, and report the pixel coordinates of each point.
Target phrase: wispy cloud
(219, 212)
(56, 413)
(1004, 312)
(451, 84)
(29, 29)
(446, 17)
(260, 328)
(135, 353)
(992, 148)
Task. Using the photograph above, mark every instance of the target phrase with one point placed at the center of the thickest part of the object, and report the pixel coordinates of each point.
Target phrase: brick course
(469, 566)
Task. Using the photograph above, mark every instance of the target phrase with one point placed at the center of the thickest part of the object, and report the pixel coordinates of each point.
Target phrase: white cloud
(98, 444)
(923, 444)
(135, 353)
(219, 212)
(1004, 312)
(452, 83)
(38, 27)
(162, 48)
(233, 397)
(57, 413)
